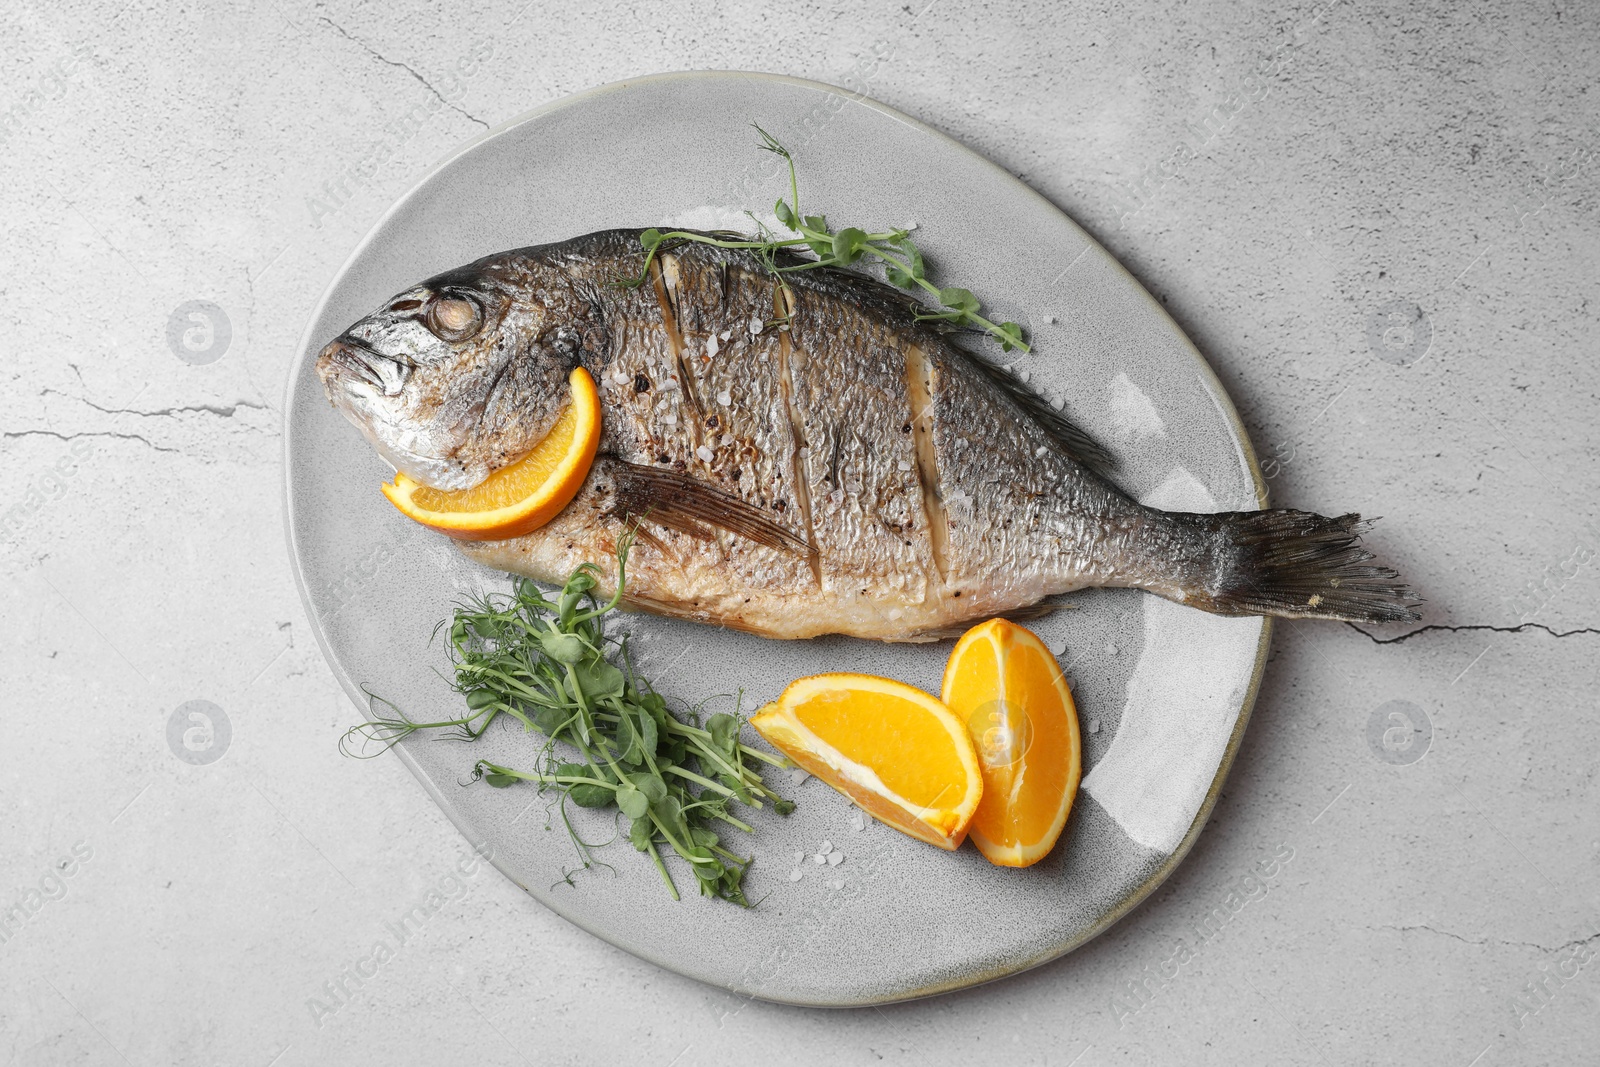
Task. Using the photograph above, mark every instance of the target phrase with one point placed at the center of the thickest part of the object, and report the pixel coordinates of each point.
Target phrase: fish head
(456, 377)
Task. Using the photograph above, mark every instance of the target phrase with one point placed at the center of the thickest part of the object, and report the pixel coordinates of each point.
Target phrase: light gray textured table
(1380, 226)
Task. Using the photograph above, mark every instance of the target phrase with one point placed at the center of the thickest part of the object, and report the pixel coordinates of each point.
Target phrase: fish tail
(1291, 564)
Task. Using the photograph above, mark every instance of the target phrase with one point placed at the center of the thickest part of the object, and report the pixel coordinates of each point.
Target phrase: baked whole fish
(797, 461)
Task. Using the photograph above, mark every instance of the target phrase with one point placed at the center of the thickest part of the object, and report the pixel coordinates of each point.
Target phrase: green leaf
(670, 811)
(500, 781)
(817, 222)
(641, 832)
(847, 245)
(649, 731)
(652, 786)
(549, 720)
(563, 648)
(785, 213)
(899, 277)
(585, 796)
(527, 589)
(919, 266)
(1010, 336)
(736, 784)
(633, 803)
(598, 678)
(479, 699)
(961, 300)
(724, 731)
(650, 238)
(707, 867)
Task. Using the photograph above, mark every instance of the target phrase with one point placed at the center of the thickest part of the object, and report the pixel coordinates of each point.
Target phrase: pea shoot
(550, 665)
(903, 262)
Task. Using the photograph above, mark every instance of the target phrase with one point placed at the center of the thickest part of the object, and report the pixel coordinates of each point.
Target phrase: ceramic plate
(1163, 691)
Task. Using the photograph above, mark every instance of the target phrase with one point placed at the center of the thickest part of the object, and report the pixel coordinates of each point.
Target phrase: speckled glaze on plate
(1163, 691)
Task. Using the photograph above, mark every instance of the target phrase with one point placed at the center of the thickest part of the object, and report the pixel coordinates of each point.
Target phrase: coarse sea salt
(794, 875)
(835, 858)
(725, 398)
(705, 453)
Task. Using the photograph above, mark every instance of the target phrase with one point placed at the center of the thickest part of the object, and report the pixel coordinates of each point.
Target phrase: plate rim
(1209, 379)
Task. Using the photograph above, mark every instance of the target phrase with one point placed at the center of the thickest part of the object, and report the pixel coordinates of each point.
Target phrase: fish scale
(866, 474)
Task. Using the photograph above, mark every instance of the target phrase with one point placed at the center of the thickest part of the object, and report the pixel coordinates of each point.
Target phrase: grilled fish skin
(797, 460)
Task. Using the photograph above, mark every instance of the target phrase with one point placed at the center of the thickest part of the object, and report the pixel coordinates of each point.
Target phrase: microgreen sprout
(610, 741)
(903, 262)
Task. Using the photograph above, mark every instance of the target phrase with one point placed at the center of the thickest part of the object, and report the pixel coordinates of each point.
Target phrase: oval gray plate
(1163, 691)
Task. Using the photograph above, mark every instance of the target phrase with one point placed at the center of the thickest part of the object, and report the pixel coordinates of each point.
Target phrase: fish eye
(454, 318)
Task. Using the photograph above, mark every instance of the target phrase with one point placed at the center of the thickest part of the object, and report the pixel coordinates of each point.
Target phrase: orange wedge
(1004, 684)
(522, 497)
(893, 749)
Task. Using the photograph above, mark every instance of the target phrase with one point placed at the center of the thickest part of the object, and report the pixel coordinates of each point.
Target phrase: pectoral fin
(679, 501)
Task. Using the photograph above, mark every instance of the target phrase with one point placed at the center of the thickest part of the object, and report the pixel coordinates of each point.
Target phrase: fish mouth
(361, 382)
(352, 362)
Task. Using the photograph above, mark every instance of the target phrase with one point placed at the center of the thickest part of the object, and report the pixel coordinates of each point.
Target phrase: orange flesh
(896, 751)
(1007, 687)
(519, 498)
(508, 485)
(859, 725)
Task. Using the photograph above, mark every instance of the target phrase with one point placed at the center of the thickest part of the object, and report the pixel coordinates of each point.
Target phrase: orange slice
(1004, 684)
(891, 748)
(522, 497)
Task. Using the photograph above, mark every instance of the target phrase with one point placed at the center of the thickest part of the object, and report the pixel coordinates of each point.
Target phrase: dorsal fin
(1075, 440)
